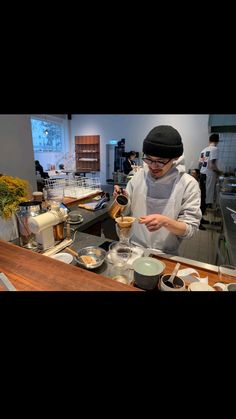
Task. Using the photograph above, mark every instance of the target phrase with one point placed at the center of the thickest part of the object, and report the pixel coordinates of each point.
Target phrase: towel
(94, 206)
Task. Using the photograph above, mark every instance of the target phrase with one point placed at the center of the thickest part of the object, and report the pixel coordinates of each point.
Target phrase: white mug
(178, 282)
(230, 287)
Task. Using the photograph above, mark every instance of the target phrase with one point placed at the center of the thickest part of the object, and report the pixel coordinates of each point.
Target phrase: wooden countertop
(203, 272)
(29, 271)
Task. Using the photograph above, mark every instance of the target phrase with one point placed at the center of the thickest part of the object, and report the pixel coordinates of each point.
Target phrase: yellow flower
(13, 191)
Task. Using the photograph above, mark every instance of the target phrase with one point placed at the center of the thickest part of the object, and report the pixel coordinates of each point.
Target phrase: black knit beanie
(163, 141)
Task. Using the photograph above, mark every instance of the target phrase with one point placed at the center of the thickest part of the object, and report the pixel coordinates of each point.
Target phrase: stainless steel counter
(89, 217)
(228, 225)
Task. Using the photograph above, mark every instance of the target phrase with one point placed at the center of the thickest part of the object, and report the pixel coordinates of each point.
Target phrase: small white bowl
(200, 286)
(63, 257)
(230, 287)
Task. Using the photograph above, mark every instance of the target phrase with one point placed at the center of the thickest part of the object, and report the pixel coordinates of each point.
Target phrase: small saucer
(75, 222)
(63, 257)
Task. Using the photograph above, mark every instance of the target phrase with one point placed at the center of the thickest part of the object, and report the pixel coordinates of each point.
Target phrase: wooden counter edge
(30, 271)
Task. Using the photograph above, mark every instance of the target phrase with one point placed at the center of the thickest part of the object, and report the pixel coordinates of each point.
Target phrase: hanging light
(46, 130)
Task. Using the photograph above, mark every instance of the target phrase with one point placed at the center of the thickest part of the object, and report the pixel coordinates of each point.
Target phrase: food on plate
(88, 260)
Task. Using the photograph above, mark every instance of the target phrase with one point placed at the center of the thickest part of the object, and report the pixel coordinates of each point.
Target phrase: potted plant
(13, 191)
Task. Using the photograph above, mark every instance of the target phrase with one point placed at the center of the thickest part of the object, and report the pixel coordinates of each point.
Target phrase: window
(47, 134)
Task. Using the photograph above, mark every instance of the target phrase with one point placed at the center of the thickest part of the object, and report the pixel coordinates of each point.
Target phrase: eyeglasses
(156, 163)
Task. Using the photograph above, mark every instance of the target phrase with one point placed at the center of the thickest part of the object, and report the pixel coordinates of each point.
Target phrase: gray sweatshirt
(176, 195)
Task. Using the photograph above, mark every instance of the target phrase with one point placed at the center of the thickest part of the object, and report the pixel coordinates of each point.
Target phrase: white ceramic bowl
(63, 257)
(147, 272)
(179, 284)
(200, 286)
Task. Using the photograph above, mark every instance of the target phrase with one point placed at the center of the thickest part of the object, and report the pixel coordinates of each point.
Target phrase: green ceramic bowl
(147, 272)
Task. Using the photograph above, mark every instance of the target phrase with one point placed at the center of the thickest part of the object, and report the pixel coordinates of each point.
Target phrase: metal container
(91, 257)
(26, 210)
(59, 231)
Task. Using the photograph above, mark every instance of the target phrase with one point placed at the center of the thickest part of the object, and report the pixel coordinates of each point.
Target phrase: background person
(129, 162)
(39, 168)
(195, 173)
(209, 172)
(164, 198)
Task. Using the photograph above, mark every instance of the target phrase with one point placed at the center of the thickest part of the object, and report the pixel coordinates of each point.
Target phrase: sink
(229, 193)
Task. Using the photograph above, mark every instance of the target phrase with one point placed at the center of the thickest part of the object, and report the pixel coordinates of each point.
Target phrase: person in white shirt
(164, 198)
(208, 173)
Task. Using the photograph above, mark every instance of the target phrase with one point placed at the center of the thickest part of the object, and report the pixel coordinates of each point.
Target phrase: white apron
(161, 239)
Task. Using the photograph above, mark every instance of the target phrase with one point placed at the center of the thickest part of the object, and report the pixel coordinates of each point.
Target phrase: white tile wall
(227, 152)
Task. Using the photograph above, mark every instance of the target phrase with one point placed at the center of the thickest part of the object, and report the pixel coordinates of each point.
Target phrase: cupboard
(87, 153)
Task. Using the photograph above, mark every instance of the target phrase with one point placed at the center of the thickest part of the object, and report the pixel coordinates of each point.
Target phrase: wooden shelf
(87, 147)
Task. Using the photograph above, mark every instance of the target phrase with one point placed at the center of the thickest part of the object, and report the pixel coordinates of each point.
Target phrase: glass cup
(38, 196)
(227, 274)
(119, 253)
(53, 196)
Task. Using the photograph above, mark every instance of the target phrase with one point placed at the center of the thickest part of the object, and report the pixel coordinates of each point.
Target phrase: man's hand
(117, 191)
(154, 222)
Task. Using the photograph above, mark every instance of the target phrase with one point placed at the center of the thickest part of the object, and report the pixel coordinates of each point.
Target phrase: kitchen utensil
(173, 275)
(6, 282)
(230, 209)
(26, 210)
(91, 257)
(117, 205)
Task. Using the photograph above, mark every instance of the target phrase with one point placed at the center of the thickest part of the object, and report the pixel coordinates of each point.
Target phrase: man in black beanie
(164, 198)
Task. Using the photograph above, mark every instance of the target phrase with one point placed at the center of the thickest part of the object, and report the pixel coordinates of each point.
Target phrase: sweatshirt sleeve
(190, 211)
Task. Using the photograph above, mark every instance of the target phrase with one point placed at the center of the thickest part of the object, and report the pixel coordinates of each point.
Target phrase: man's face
(158, 166)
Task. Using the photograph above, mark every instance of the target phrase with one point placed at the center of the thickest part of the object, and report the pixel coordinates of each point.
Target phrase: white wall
(17, 156)
(134, 128)
(16, 148)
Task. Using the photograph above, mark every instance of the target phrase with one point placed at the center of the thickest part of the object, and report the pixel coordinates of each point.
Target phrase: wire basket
(78, 187)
